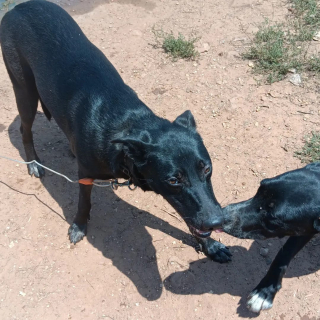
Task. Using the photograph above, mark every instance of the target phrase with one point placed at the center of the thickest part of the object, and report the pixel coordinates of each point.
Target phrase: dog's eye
(173, 181)
(207, 170)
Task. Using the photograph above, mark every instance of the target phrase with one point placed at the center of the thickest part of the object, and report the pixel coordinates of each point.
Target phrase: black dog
(111, 132)
(287, 205)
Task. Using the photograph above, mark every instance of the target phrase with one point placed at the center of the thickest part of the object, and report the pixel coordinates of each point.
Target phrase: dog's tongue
(218, 231)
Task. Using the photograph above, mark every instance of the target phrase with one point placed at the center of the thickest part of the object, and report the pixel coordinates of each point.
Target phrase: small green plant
(177, 47)
(311, 149)
(314, 64)
(7, 4)
(274, 51)
(308, 10)
(277, 48)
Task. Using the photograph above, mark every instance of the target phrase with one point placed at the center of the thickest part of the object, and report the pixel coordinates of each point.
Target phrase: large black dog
(287, 205)
(111, 132)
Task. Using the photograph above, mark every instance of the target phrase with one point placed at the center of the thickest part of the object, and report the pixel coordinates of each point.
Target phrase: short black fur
(112, 133)
(286, 205)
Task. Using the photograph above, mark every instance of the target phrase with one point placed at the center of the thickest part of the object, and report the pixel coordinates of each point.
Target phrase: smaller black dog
(286, 205)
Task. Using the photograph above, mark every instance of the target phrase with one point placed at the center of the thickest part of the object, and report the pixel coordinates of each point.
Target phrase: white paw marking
(256, 303)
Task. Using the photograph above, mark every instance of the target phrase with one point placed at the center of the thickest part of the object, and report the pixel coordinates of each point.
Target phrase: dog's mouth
(202, 234)
(198, 233)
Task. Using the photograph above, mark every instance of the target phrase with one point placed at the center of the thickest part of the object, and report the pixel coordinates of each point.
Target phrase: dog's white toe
(257, 302)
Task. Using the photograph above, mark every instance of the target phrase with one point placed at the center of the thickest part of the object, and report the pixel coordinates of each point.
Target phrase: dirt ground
(138, 261)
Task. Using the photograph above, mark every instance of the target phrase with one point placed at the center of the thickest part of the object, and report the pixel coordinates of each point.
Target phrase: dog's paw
(216, 251)
(77, 232)
(35, 170)
(261, 299)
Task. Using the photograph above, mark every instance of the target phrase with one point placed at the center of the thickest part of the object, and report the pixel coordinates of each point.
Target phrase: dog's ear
(186, 120)
(136, 146)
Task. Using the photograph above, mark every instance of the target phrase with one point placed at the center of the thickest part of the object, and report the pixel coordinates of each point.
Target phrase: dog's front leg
(262, 296)
(214, 250)
(79, 227)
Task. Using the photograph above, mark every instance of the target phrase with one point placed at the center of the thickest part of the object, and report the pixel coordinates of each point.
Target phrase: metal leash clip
(132, 188)
(114, 184)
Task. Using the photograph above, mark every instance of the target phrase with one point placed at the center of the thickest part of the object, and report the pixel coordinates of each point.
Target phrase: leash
(113, 183)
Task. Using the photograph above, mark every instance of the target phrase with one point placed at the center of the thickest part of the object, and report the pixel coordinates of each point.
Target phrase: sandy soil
(139, 262)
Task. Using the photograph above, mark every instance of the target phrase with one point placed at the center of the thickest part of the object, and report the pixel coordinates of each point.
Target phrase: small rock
(22, 293)
(11, 245)
(292, 70)
(316, 37)
(264, 252)
(172, 260)
(233, 54)
(295, 79)
(205, 48)
(251, 64)
(137, 33)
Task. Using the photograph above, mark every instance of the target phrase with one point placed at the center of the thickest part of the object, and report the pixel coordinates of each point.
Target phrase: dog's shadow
(243, 274)
(118, 230)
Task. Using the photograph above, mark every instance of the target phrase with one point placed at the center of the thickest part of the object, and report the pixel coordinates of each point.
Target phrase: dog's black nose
(212, 224)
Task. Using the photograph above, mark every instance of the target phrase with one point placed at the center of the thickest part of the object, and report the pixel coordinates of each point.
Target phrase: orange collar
(86, 181)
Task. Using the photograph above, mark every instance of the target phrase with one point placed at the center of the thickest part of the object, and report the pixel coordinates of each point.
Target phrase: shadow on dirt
(118, 230)
(241, 276)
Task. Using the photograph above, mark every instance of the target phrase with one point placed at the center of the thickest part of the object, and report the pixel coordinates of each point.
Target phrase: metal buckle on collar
(114, 184)
(132, 188)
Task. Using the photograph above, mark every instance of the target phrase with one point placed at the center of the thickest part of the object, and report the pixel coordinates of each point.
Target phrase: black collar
(134, 176)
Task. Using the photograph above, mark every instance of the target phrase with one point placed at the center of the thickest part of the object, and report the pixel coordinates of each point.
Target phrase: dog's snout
(212, 224)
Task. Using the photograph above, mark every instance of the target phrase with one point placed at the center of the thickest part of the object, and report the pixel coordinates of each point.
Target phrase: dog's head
(172, 160)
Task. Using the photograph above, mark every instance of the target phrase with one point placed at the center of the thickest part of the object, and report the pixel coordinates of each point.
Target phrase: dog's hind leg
(27, 102)
(78, 229)
(262, 296)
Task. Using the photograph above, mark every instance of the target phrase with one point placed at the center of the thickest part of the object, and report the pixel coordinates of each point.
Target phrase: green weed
(176, 47)
(311, 149)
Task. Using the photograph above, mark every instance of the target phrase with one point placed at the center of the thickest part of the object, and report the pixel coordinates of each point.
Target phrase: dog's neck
(132, 173)
(242, 221)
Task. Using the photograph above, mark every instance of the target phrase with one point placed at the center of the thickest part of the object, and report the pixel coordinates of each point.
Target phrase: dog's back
(31, 23)
(292, 198)
(65, 70)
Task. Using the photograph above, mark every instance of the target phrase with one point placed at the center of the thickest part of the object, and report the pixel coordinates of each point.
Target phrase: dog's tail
(45, 110)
